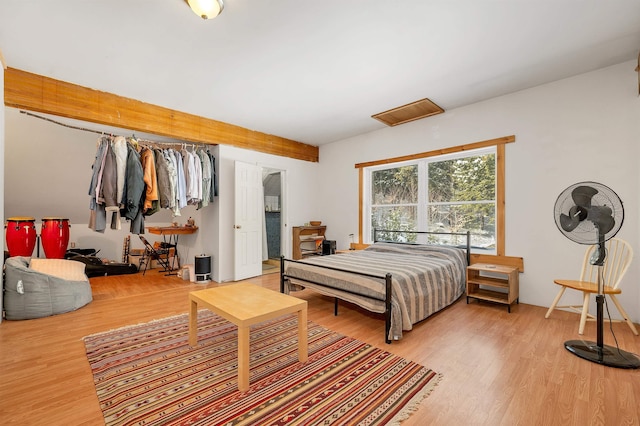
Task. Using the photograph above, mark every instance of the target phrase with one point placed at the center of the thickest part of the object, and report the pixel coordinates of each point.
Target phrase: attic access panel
(410, 112)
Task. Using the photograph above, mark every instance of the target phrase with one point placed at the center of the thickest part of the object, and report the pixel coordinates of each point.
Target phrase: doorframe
(284, 209)
(284, 228)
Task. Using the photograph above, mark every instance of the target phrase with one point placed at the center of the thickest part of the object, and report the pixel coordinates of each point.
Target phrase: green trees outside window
(453, 193)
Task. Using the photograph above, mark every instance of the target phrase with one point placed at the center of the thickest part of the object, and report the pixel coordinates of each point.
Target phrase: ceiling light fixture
(206, 9)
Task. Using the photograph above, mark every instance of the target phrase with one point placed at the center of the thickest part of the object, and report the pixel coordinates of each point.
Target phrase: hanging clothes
(162, 178)
(206, 178)
(173, 181)
(173, 177)
(182, 188)
(119, 147)
(198, 167)
(109, 191)
(150, 179)
(189, 174)
(193, 177)
(98, 217)
(134, 192)
(214, 176)
(132, 180)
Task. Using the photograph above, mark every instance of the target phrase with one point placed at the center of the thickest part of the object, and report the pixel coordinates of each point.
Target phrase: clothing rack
(154, 144)
(157, 144)
(61, 124)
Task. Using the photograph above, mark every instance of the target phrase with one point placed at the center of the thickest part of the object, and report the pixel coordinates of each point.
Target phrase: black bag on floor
(96, 268)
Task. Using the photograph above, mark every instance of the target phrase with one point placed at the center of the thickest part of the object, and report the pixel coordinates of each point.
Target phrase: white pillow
(66, 269)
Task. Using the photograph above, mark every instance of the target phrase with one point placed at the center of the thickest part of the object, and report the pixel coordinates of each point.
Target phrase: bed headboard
(379, 235)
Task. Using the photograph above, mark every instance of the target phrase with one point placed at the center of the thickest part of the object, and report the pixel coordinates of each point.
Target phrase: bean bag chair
(36, 288)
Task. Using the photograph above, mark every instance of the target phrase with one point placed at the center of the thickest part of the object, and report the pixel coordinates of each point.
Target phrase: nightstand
(493, 283)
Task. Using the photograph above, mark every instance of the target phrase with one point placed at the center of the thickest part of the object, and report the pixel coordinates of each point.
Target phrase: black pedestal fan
(591, 213)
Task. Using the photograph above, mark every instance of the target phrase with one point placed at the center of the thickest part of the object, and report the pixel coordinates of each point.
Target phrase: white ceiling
(315, 71)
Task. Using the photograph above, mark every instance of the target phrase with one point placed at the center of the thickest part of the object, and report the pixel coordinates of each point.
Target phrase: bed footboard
(387, 293)
(371, 287)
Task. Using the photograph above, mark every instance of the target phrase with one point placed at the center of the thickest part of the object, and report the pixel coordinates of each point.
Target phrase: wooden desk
(246, 304)
(172, 232)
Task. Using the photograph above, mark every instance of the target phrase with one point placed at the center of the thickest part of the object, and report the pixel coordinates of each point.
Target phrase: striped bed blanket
(425, 279)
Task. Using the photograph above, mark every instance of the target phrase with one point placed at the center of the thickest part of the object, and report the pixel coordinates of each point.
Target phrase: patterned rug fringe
(413, 405)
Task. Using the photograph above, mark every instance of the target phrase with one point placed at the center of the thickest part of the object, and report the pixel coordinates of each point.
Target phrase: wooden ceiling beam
(34, 92)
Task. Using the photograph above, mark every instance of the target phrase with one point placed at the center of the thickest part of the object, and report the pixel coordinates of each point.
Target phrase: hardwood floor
(498, 368)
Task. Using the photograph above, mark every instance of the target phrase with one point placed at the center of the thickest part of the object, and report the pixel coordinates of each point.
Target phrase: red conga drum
(20, 235)
(55, 237)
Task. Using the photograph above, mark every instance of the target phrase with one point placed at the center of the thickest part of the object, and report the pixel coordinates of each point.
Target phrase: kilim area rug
(149, 375)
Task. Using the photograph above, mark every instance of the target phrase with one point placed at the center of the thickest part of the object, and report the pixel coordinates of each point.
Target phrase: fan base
(605, 355)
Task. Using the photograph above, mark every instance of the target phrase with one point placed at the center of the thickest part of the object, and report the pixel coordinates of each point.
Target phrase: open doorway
(274, 220)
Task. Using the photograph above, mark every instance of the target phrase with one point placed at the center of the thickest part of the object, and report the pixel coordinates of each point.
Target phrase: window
(446, 193)
(394, 199)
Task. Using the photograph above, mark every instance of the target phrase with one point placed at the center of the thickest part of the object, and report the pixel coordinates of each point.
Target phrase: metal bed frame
(387, 277)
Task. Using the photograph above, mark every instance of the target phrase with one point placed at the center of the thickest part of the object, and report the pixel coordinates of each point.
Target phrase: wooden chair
(619, 255)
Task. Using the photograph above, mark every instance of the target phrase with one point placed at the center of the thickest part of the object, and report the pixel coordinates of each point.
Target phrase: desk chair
(619, 255)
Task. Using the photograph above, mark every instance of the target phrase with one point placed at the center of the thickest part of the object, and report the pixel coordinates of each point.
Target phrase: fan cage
(586, 232)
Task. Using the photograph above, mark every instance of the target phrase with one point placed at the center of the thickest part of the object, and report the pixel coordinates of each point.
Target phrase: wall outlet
(73, 245)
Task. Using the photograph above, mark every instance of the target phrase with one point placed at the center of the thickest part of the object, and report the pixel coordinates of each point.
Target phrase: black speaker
(328, 247)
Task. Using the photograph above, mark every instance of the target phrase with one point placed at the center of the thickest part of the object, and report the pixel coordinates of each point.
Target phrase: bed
(407, 282)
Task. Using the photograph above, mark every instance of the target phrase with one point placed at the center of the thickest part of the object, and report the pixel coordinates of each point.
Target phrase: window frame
(368, 206)
(499, 143)
(422, 203)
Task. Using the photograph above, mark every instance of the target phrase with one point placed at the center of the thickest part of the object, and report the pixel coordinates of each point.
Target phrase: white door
(249, 213)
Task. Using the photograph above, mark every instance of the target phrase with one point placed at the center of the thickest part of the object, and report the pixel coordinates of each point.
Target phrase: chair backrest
(151, 249)
(619, 256)
(144, 240)
(147, 245)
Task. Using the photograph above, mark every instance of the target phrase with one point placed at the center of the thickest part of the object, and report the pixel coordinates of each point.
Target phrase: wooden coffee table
(246, 304)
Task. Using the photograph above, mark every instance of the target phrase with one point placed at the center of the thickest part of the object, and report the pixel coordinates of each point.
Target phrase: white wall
(300, 201)
(577, 129)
